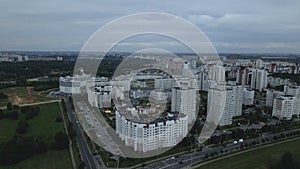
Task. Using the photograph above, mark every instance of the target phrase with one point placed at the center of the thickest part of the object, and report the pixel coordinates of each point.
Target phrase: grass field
(257, 159)
(50, 160)
(43, 125)
(19, 95)
(7, 129)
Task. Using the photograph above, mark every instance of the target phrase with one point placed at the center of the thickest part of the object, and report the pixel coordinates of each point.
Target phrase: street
(87, 156)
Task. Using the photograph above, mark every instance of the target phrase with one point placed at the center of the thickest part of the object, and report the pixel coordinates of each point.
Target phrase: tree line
(21, 147)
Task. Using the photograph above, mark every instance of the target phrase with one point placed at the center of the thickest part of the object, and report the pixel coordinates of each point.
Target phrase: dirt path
(32, 104)
(37, 103)
(49, 90)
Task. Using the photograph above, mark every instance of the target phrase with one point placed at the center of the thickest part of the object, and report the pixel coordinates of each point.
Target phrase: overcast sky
(268, 26)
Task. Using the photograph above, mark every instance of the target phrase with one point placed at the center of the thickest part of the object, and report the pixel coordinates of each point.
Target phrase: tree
(2, 114)
(81, 165)
(71, 131)
(266, 128)
(25, 109)
(17, 149)
(31, 112)
(3, 95)
(9, 106)
(36, 110)
(41, 147)
(58, 119)
(14, 115)
(22, 127)
(61, 141)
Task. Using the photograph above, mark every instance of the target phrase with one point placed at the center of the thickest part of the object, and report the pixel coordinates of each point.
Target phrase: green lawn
(50, 160)
(42, 126)
(257, 159)
(7, 129)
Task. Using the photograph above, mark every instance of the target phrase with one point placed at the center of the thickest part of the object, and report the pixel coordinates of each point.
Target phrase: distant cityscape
(254, 101)
(237, 92)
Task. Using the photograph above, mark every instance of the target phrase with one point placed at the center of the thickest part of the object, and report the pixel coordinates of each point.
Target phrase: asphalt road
(186, 161)
(183, 161)
(87, 156)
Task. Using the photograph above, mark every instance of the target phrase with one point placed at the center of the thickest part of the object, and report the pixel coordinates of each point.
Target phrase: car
(235, 142)
(180, 162)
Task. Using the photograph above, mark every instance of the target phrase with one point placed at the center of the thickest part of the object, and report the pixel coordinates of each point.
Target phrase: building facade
(271, 95)
(161, 133)
(226, 102)
(258, 79)
(184, 101)
(248, 96)
(73, 85)
(284, 107)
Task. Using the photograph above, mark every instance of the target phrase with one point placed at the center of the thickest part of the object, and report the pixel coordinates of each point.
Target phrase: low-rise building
(73, 85)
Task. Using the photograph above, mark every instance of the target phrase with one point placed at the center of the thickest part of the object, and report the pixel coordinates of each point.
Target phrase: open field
(257, 159)
(43, 125)
(19, 96)
(7, 129)
(49, 160)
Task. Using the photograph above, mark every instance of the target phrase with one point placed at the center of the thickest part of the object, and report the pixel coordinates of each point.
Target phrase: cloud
(232, 24)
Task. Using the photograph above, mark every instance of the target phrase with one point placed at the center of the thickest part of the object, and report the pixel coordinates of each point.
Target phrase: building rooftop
(133, 115)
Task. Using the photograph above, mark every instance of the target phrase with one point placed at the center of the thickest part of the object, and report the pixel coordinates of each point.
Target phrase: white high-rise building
(202, 80)
(216, 102)
(164, 83)
(259, 63)
(242, 76)
(216, 94)
(248, 96)
(161, 133)
(277, 81)
(225, 103)
(294, 91)
(26, 58)
(100, 96)
(259, 79)
(235, 92)
(283, 107)
(216, 73)
(184, 101)
(271, 95)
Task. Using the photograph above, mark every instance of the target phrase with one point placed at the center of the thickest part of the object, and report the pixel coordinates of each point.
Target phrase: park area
(42, 130)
